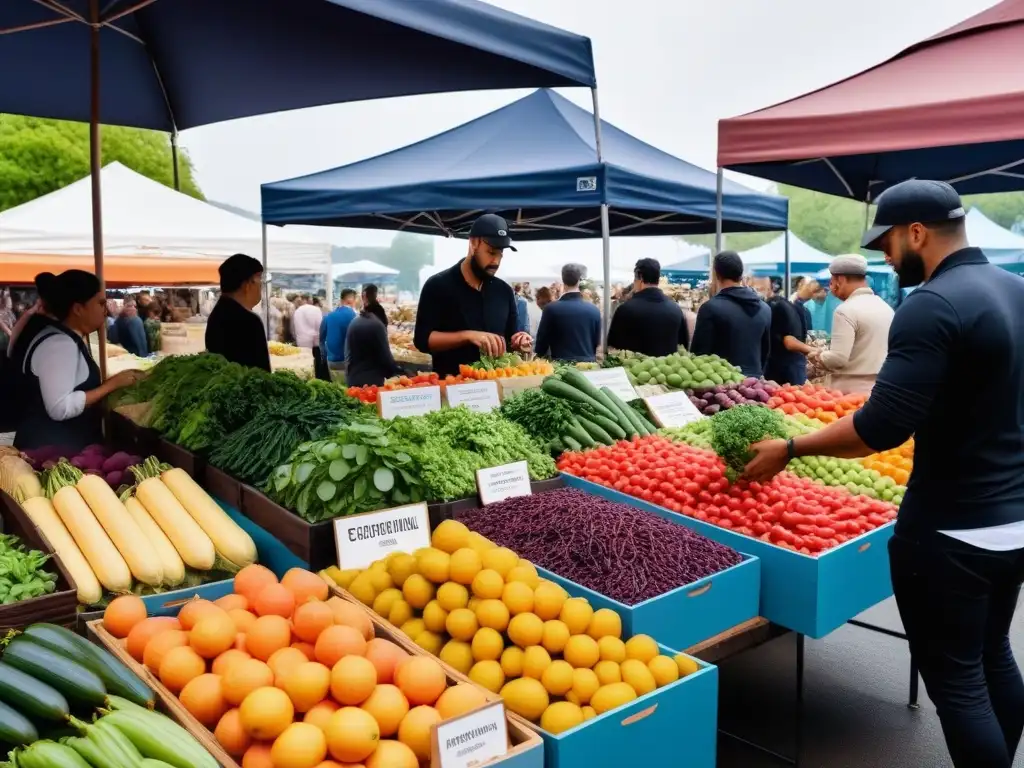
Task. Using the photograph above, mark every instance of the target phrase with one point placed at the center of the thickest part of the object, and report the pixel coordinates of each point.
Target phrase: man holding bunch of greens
(953, 379)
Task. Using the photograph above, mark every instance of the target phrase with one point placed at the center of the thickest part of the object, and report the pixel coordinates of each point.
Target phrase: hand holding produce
(734, 430)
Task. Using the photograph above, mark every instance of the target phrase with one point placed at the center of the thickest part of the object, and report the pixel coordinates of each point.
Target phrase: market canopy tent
(950, 107)
(362, 271)
(534, 161)
(998, 244)
(145, 218)
(122, 271)
(771, 257)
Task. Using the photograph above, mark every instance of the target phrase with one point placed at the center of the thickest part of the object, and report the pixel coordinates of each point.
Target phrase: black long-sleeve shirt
(649, 323)
(368, 358)
(237, 333)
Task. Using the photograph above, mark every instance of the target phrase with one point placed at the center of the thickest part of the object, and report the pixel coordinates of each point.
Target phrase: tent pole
(785, 285)
(606, 245)
(266, 285)
(95, 165)
(713, 287)
(174, 160)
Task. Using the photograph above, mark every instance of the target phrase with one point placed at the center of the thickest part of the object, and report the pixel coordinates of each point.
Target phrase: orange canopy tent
(21, 269)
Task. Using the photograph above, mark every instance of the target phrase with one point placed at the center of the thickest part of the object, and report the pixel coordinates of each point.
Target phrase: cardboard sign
(481, 396)
(673, 409)
(504, 482)
(615, 379)
(363, 539)
(471, 740)
(412, 401)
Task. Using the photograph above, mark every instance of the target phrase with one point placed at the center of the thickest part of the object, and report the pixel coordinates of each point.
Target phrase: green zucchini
(610, 426)
(149, 762)
(570, 444)
(555, 446)
(15, 728)
(157, 737)
(582, 383)
(595, 431)
(72, 679)
(627, 413)
(577, 432)
(30, 696)
(558, 388)
(116, 677)
(95, 756)
(49, 754)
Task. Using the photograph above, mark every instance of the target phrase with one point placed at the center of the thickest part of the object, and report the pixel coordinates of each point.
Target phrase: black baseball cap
(918, 201)
(493, 230)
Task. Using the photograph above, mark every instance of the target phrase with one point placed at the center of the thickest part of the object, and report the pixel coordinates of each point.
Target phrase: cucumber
(15, 728)
(580, 435)
(72, 679)
(95, 756)
(151, 763)
(613, 428)
(49, 754)
(570, 444)
(30, 696)
(157, 737)
(595, 431)
(582, 383)
(627, 413)
(116, 677)
(558, 388)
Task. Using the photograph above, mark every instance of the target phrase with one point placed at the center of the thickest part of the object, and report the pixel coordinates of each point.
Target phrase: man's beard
(911, 269)
(481, 274)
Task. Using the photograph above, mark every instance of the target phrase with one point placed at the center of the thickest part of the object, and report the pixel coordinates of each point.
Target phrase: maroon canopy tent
(949, 107)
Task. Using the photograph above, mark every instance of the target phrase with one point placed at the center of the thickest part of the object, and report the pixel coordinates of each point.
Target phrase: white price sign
(672, 409)
(615, 379)
(366, 538)
(412, 401)
(480, 396)
(504, 482)
(472, 739)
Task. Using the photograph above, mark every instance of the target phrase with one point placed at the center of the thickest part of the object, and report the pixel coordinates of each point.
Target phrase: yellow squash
(194, 546)
(42, 514)
(174, 568)
(232, 543)
(104, 559)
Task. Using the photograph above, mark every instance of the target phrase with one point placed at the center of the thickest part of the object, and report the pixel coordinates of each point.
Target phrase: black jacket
(735, 324)
(570, 329)
(237, 334)
(649, 323)
(368, 358)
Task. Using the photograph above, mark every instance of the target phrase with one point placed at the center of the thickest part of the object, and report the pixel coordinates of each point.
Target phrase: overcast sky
(667, 72)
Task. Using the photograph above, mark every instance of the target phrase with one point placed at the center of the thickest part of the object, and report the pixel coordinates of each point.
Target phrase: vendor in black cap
(953, 379)
(233, 329)
(466, 311)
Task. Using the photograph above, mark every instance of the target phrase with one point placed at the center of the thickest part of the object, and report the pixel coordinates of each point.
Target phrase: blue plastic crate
(673, 726)
(810, 595)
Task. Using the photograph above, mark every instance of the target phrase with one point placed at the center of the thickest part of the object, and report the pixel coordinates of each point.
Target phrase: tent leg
(606, 296)
(95, 165)
(266, 285)
(719, 178)
(174, 161)
(785, 286)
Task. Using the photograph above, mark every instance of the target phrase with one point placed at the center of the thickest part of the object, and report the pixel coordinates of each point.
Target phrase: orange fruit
(352, 735)
(284, 660)
(266, 635)
(385, 656)
(304, 586)
(123, 613)
(320, 713)
(145, 631)
(351, 615)
(353, 679)
(339, 641)
(421, 679)
(257, 756)
(233, 602)
(240, 642)
(458, 700)
(180, 666)
(388, 706)
(231, 735)
(212, 635)
(312, 618)
(244, 677)
(251, 580)
(204, 699)
(300, 746)
(158, 647)
(266, 712)
(307, 649)
(196, 609)
(243, 619)
(392, 754)
(306, 684)
(226, 659)
(274, 600)
(414, 731)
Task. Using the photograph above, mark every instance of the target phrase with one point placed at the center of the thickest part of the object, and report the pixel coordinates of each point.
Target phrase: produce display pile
(682, 371)
(614, 549)
(53, 683)
(282, 675)
(96, 459)
(484, 611)
(282, 350)
(710, 401)
(826, 405)
(368, 394)
(505, 366)
(789, 511)
(22, 572)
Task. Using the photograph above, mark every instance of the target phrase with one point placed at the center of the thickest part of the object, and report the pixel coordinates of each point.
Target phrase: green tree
(1005, 209)
(39, 156)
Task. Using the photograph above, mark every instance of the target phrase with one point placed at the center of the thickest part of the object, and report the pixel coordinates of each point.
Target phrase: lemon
(418, 591)
(642, 648)
(429, 641)
(465, 563)
(512, 661)
(584, 685)
(479, 543)
(362, 588)
(434, 617)
(524, 572)
(343, 578)
(488, 674)
(500, 559)
(526, 697)
(687, 666)
(385, 600)
(450, 535)
(605, 623)
(493, 614)
(457, 654)
(413, 627)
(401, 567)
(561, 716)
(557, 678)
(608, 672)
(380, 578)
(535, 661)
(526, 629)
(434, 564)
(518, 597)
(609, 697)
(474, 603)
(487, 644)
(612, 649)
(664, 670)
(581, 651)
(400, 613)
(555, 636)
(576, 614)
(462, 624)
(488, 584)
(548, 600)
(589, 713)
(636, 674)
(451, 596)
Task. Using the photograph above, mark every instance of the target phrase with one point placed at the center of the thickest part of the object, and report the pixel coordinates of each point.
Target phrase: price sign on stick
(366, 538)
(473, 739)
(615, 379)
(481, 396)
(672, 409)
(504, 482)
(413, 401)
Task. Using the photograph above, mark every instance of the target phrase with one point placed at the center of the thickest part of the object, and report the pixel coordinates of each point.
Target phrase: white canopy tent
(996, 242)
(361, 271)
(142, 217)
(772, 254)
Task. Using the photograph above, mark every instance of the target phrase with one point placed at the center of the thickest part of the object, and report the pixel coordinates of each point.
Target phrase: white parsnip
(174, 567)
(44, 517)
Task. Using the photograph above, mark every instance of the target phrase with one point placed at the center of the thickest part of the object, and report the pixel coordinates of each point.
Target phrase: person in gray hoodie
(735, 323)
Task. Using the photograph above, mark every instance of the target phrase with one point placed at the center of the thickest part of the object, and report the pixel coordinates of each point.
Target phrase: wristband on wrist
(790, 449)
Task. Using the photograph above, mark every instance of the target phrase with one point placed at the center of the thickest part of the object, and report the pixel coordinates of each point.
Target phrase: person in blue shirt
(570, 328)
(334, 328)
(522, 310)
(130, 331)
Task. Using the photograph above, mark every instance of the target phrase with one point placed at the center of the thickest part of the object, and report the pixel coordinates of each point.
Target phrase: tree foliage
(38, 156)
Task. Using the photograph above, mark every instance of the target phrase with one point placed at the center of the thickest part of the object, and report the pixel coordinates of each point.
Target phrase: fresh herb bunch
(735, 429)
(696, 433)
(541, 415)
(22, 575)
(508, 360)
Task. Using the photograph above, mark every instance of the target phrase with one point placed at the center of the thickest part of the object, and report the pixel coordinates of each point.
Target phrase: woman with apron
(59, 389)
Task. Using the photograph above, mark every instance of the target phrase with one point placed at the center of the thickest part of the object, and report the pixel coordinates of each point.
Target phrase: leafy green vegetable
(541, 415)
(735, 429)
(508, 360)
(22, 575)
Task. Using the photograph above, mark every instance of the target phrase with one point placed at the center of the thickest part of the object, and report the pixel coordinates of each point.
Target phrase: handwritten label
(413, 401)
(481, 396)
(615, 379)
(504, 482)
(673, 409)
(366, 538)
(472, 739)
